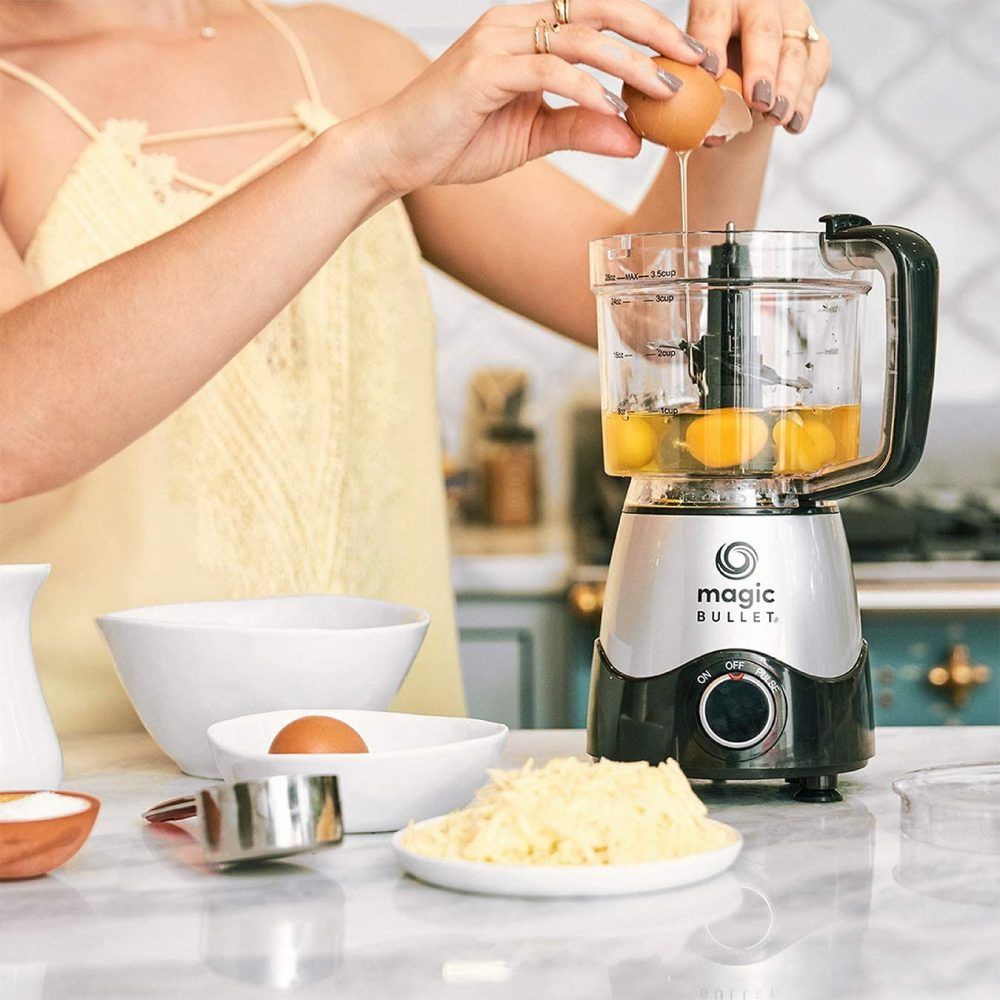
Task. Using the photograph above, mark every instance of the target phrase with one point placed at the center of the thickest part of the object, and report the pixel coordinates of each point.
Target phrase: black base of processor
(773, 722)
(822, 788)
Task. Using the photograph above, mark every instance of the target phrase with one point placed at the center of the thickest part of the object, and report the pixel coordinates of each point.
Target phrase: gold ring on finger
(809, 36)
(562, 11)
(543, 35)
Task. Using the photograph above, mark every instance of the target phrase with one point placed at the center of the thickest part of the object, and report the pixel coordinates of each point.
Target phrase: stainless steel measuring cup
(257, 820)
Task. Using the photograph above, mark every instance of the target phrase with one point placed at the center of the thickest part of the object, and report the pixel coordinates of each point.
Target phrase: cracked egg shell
(734, 117)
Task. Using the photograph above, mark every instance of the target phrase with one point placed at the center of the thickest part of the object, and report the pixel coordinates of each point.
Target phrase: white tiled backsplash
(907, 132)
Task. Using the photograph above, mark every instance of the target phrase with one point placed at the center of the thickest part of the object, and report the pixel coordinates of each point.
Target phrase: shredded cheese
(574, 813)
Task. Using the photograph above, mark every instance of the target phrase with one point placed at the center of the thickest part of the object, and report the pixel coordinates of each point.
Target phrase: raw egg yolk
(317, 734)
(630, 442)
(803, 444)
(726, 438)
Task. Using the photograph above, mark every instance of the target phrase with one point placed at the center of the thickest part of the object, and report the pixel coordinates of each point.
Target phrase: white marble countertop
(533, 561)
(826, 901)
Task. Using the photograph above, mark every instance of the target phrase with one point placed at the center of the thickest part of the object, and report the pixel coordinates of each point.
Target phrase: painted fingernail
(673, 82)
(710, 62)
(778, 111)
(761, 95)
(797, 123)
(616, 102)
(714, 140)
(693, 43)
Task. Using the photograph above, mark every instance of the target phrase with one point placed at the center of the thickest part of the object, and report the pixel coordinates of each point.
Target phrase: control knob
(737, 710)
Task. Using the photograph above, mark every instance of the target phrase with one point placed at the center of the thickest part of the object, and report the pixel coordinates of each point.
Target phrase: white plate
(582, 880)
(419, 765)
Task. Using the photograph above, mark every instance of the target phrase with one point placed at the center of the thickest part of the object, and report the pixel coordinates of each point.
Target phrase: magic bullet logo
(737, 561)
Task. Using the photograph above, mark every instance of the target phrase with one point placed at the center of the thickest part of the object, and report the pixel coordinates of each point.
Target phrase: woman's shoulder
(378, 60)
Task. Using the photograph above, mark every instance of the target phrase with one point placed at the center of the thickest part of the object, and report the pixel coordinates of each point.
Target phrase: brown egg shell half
(735, 117)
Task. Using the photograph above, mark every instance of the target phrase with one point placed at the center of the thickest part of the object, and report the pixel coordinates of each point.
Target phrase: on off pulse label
(746, 605)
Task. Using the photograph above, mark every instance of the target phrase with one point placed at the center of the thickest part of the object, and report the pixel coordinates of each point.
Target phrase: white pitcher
(30, 757)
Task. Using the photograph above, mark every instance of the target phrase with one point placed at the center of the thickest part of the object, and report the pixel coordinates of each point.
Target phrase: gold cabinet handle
(586, 601)
(957, 676)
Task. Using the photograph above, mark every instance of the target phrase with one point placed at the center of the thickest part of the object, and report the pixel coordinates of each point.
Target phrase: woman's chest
(241, 81)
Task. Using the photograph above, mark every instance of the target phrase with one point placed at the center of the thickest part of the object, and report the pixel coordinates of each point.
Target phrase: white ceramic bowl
(185, 666)
(418, 765)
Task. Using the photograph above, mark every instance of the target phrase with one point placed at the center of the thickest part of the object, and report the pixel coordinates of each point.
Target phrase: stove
(923, 526)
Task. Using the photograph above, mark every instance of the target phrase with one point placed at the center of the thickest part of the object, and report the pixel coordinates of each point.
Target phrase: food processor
(731, 395)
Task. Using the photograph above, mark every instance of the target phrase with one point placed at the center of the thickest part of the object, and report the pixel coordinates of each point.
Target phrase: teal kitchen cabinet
(513, 657)
(934, 667)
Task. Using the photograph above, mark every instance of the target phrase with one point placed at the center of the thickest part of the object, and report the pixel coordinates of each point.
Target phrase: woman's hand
(478, 111)
(781, 75)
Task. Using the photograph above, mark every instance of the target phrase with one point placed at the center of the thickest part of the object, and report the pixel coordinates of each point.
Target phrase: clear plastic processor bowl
(957, 806)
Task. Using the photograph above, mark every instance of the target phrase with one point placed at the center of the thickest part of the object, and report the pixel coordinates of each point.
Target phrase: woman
(215, 344)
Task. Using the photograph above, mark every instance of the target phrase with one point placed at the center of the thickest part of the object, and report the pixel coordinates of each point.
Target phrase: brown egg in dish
(318, 734)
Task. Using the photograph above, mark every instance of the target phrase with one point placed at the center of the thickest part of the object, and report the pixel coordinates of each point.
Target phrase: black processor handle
(909, 266)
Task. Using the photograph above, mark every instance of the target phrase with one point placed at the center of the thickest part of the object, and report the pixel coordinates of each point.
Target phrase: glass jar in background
(510, 476)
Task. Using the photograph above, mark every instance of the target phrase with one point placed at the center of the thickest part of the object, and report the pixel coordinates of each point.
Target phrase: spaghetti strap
(301, 119)
(47, 90)
(215, 131)
(305, 66)
(264, 164)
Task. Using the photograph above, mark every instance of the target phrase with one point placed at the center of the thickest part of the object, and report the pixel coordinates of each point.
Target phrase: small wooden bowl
(34, 847)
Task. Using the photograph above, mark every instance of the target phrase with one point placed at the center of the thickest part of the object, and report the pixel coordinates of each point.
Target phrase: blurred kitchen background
(906, 132)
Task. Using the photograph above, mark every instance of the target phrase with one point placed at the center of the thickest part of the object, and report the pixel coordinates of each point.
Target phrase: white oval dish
(563, 880)
(418, 765)
(186, 666)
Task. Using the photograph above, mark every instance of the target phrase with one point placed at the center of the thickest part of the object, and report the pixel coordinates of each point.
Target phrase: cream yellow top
(310, 464)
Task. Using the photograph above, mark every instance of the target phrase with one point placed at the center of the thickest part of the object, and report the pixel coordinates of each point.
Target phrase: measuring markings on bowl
(661, 297)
